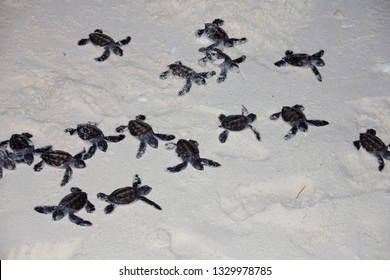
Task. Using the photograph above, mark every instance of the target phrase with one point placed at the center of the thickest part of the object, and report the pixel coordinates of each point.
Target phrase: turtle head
(144, 190)
(252, 117)
(317, 61)
(117, 50)
(197, 164)
(199, 80)
(153, 142)
(58, 214)
(79, 163)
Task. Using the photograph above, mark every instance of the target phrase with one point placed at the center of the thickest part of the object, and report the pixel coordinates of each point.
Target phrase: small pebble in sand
(142, 98)
(338, 14)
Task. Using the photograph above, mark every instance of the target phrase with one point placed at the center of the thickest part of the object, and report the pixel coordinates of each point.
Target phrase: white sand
(246, 209)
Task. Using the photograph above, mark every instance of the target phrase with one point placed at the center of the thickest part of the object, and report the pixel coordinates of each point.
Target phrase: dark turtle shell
(56, 158)
(298, 59)
(20, 142)
(186, 149)
(123, 195)
(371, 143)
(75, 200)
(181, 70)
(88, 131)
(138, 127)
(100, 39)
(234, 122)
(290, 114)
(215, 32)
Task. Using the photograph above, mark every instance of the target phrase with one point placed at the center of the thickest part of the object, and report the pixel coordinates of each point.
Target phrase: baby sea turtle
(6, 161)
(70, 205)
(296, 118)
(61, 159)
(215, 33)
(23, 148)
(237, 123)
(184, 72)
(97, 38)
(373, 145)
(91, 133)
(222, 60)
(189, 153)
(144, 133)
(303, 60)
(127, 195)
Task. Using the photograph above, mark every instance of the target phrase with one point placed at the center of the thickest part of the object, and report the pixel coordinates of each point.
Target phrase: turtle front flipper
(209, 162)
(124, 41)
(104, 56)
(291, 133)
(256, 132)
(121, 128)
(83, 42)
(178, 167)
(91, 151)
(275, 116)
(223, 136)
(164, 137)
(240, 59)
(381, 162)
(43, 149)
(316, 73)
(164, 75)
(67, 176)
(141, 149)
(45, 209)
(114, 139)
(3, 144)
(235, 41)
(148, 201)
(186, 88)
(317, 122)
(78, 221)
(222, 75)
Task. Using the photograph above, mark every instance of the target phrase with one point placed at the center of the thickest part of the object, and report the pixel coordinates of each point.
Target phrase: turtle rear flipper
(317, 122)
(45, 209)
(109, 208)
(186, 88)
(78, 221)
(178, 167)
(148, 201)
(91, 151)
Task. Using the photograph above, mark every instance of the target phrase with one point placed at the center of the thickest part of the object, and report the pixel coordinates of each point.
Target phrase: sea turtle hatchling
(61, 159)
(6, 161)
(296, 118)
(303, 60)
(237, 123)
(97, 38)
(70, 205)
(144, 133)
(189, 153)
(215, 33)
(184, 72)
(91, 133)
(222, 60)
(373, 145)
(22, 147)
(127, 195)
